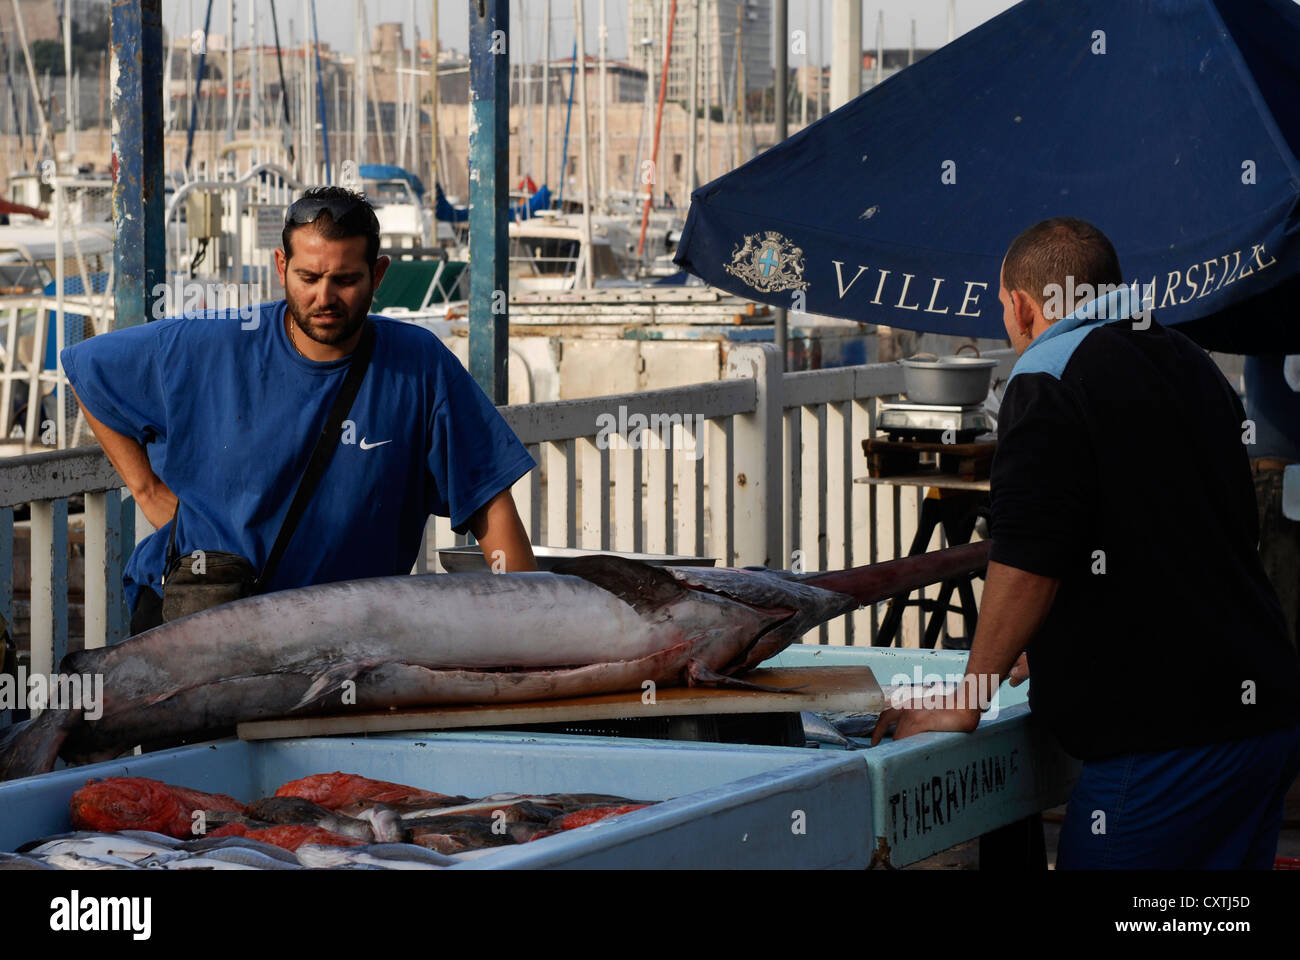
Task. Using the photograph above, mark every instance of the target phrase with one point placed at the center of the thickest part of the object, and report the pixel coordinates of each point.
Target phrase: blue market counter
(726, 805)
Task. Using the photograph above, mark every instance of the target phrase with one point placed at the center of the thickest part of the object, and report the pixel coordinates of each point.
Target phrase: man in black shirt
(1125, 564)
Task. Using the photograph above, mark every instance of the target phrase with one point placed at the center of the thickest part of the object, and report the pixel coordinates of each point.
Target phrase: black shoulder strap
(329, 440)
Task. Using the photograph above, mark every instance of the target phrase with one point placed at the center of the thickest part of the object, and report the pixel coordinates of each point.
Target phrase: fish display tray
(726, 807)
(932, 791)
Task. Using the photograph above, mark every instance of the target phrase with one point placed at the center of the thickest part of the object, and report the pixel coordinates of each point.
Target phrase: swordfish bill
(597, 624)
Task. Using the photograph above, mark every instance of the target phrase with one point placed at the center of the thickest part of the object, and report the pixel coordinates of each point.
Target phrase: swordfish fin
(697, 674)
(640, 585)
(329, 680)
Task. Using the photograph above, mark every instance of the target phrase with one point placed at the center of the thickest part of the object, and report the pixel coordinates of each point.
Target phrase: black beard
(345, 333)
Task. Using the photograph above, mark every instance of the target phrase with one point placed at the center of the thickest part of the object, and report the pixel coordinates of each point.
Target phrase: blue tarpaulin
(1173, 125)
(541, 200)
(445, 211)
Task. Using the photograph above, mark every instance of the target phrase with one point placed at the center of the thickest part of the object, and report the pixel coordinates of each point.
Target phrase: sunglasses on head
(307, 209)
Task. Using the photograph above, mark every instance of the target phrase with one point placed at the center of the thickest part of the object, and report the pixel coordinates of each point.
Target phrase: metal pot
(947, 381)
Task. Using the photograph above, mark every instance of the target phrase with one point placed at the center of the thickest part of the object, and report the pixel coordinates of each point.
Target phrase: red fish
(138, 803)
(335, 790)
(290, 836)
(580, 818)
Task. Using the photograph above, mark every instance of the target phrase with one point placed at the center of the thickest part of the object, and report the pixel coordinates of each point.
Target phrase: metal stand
(956, 511)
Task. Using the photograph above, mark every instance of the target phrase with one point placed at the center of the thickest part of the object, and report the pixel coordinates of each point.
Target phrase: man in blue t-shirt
(220, 414)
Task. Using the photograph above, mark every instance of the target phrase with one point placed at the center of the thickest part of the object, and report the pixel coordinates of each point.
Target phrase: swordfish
(597, 624)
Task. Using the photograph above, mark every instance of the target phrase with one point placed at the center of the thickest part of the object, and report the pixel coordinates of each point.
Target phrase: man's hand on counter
(1014, 606)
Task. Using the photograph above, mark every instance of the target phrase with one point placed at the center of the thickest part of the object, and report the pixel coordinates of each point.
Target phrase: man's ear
(377, 273)
(281, 264)
(1024, 311)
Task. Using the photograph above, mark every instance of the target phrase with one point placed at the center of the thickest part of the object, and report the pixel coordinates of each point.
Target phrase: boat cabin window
(379, 192)
(548, 256)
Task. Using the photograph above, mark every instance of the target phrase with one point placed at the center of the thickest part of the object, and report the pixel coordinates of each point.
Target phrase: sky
(336, 19)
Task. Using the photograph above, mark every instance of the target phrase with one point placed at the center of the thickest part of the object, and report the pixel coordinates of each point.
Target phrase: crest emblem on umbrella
(768, 263)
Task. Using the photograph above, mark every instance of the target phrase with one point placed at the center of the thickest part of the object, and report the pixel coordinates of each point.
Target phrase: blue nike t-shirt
(230, 412)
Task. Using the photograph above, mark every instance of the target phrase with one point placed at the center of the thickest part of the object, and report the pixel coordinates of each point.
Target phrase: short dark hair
(360, 222)
(1054, 249)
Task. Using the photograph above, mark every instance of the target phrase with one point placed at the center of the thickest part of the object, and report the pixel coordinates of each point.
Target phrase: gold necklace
(293, 341)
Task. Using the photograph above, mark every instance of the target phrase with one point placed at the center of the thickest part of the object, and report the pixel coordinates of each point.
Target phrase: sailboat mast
(584, 144)
(46, 135)
(254, 79)
(70, 136)
(707, 44)
(694, 98)
(359, 88)
(659, 116)
(604, 112)
(433, 106)
(230, 70)
(546, 95)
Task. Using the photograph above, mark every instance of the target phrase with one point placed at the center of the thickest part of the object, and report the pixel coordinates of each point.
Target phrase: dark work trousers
(148, 611)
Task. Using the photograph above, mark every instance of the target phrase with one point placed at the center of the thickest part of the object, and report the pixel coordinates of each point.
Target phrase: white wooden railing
(760, 472)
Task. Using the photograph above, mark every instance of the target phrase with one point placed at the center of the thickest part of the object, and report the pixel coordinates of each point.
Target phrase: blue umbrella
(1173, 125)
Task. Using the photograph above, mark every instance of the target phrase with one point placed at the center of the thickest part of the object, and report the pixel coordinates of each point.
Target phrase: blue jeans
(1211, 808)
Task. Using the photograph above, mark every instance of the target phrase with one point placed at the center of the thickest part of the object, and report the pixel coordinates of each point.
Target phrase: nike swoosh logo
(371, 446)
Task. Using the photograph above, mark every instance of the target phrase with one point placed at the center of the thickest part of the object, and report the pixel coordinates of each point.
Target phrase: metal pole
(359, 70)
(846, 51)
(780, 330)
(138, 199)
(880, 48)
(803, 87)
(706, 40)
(433, 109)
(230, 72)
(692, 132)
(254, 80)
(489, 153)
(588, 260)
(47, 137)
(70, 131)
(546, 96)
(320, 97)
(659, 115)
(604, 110)
(821, 62)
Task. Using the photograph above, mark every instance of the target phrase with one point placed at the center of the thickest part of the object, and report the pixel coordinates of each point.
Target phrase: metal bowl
(470, 559)
(947, 381)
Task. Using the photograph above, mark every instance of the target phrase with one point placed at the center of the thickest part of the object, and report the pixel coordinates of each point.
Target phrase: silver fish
(388, 856)
(595, 625)
(205, 863)
(251, 858)
(819, 731)
(74, 861)
(604, 625)
(23, 861)
(206, 845)
(97, 846)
